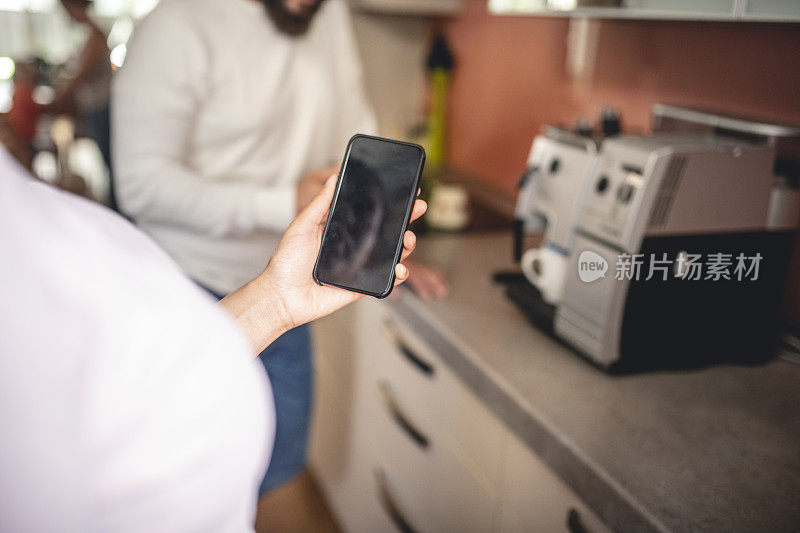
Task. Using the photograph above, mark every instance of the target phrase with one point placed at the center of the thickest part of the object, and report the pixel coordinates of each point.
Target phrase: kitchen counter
(711, 449)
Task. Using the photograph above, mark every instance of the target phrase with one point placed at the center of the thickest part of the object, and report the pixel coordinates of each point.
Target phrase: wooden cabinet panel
(339, 451)
(535, 499)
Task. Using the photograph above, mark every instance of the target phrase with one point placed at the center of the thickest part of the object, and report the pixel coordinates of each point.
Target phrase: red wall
(511, 79)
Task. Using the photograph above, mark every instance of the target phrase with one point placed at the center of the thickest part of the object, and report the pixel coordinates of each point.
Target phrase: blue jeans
(289, 367)
(97, 124)
(290, 371)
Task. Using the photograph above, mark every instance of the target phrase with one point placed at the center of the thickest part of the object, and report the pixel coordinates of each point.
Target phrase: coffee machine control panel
(667, 184)
(617, 185)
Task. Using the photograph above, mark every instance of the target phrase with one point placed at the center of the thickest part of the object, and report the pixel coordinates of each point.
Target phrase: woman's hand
(285, 294)
(289, 270)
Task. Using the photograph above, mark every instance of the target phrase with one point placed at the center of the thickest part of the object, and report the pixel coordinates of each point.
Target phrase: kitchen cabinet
(408, 7)
(723, 10)
(771, 10)
(400, 443)
(339, 454)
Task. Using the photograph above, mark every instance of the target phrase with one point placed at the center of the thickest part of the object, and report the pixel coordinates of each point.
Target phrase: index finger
(420, 206)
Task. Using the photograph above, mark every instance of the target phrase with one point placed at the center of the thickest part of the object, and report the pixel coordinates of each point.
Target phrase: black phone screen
(374, 196)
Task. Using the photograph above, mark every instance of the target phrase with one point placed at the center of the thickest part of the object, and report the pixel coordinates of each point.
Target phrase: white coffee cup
(546, 269)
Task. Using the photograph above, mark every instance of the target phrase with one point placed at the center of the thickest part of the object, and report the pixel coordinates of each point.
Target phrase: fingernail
(402, 271)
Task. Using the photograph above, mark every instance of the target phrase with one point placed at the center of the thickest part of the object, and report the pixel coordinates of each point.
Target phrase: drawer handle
(391, 332)
(388, 503)
(385, 392)
(574, 524)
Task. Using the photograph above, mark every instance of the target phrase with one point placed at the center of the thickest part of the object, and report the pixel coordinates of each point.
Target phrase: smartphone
(369, 214)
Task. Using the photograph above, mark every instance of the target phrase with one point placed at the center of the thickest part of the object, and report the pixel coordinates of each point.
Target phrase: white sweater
(217, 115)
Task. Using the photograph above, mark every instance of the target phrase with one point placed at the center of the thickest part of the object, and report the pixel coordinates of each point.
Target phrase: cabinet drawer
(373, 471)
(434, 487)
(437, 398)
(392, 350)
(535, 499)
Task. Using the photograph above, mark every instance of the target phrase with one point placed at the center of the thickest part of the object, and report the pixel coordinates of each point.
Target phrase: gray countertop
(715, 449)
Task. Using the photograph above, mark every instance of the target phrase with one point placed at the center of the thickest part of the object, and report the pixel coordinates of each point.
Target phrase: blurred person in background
(228, 116)
(19, 129)
(88, 90)
(150, 414)
(23, 116)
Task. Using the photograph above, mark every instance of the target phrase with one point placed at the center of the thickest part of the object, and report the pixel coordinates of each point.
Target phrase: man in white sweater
(218, 116)
(227, 116)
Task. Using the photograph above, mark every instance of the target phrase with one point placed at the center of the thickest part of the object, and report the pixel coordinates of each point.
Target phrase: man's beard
(287, 22)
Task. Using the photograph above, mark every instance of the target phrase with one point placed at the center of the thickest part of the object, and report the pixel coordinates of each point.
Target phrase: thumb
(317, 210)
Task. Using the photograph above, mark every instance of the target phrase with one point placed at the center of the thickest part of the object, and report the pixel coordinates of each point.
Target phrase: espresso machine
(654, 206)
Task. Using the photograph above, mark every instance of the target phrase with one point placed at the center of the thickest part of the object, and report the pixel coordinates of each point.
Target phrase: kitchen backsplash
(512, 78)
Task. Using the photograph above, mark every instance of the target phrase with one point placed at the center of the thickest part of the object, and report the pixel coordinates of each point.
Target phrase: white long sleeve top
(129, 401)
(217, 115)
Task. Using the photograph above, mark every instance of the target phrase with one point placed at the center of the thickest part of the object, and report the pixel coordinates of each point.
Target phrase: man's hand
(285, 295)
(310, 185)
(427, 281)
